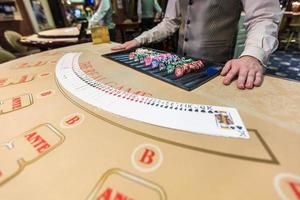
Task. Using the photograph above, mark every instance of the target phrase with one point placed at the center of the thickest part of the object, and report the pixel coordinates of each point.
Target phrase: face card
(224, 120)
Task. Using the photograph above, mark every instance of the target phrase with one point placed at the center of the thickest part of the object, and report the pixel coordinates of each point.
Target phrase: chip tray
(187, 82)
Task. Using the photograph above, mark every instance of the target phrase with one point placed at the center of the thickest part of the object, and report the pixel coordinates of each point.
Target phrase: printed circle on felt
(72, 120)
(287, 186)
(146, 158)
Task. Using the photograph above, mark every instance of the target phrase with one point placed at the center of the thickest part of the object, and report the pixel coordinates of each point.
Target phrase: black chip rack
(187, 82)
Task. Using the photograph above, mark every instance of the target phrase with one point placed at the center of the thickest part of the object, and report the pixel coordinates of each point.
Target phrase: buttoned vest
(208, 28)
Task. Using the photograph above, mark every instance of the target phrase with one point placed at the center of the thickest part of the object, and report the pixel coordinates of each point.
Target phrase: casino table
(55, 145)
(47, 43)
(54, 38)
(68, 32)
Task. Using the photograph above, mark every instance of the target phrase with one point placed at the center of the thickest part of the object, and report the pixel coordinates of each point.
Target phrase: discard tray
(187, 82)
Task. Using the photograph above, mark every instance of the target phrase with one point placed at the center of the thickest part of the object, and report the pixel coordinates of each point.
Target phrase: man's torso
(208, 29)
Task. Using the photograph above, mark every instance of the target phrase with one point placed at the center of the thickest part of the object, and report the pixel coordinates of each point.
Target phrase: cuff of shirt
(141, 39)
(257, 53)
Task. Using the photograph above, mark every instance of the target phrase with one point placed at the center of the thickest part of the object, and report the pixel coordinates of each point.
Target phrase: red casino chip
(131, 56)
(179, 72)
(199, 63)
(185, 67)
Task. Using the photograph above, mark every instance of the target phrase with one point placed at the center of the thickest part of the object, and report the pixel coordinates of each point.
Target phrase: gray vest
(209, 28)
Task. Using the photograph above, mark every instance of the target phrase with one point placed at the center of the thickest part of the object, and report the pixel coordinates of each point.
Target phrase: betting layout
(183, 72)
(203, 119)
(51, 139)
(26, 148)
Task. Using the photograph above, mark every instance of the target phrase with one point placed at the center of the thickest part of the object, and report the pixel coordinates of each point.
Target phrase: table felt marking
(272, 160)
(119, 173)
(38, 141)
(195, 118)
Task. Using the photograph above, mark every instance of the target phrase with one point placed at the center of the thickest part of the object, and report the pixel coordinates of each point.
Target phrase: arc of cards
(194, 118)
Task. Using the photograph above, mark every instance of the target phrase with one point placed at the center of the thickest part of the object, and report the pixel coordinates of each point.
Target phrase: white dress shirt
(262, 18)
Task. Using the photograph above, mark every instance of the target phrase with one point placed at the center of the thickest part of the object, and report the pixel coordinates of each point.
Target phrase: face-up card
(224, 120)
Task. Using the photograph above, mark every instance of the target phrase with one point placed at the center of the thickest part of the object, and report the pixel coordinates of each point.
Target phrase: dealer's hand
(127, 45)
(248, 70)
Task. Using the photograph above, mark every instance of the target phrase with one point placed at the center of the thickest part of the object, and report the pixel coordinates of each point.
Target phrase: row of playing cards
(202, 119)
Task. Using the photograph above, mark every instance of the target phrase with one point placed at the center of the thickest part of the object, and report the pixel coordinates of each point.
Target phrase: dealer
(208, 30)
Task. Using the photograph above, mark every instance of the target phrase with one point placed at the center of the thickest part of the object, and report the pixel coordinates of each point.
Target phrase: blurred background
(30, 26)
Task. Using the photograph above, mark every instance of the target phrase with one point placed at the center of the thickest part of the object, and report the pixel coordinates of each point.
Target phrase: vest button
(184, 53)
(188, 21)
(186, 39)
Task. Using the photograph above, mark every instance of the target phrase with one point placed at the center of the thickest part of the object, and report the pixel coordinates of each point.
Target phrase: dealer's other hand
(127, 45)
(248, 70)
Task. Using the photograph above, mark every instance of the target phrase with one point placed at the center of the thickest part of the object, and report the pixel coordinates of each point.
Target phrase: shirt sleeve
(157, 6)
(100, 13)
(169, 25)
(262, 22)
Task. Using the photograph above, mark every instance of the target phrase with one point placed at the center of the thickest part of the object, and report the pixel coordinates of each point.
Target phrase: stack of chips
(154, 60)
(171, 67)
(170, 58)
(188, 67)
(140, 54)
(166, 61)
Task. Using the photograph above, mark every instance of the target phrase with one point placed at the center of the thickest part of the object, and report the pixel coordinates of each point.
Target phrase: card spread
(195, 118)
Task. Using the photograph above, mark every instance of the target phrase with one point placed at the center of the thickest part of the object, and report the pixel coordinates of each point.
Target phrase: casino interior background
(20, 18)
(80, 121)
